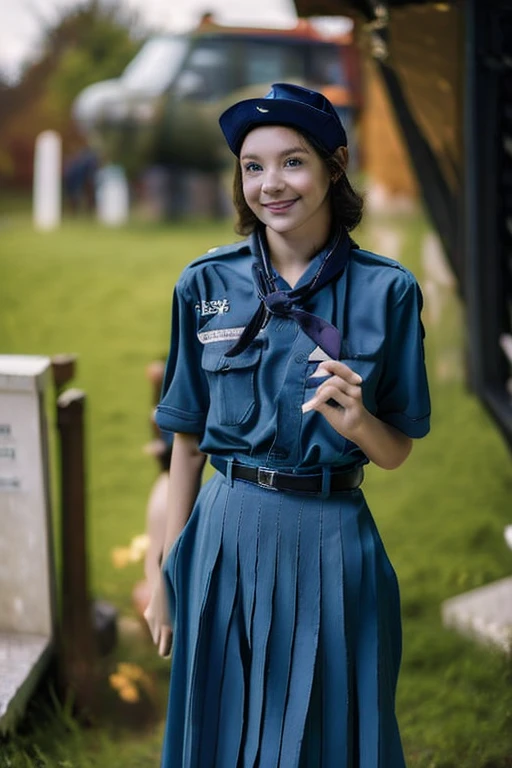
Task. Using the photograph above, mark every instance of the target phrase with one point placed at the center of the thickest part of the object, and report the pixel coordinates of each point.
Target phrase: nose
(272, 182)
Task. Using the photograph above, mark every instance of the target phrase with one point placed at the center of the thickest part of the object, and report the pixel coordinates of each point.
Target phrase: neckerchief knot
(287, 303)
(278, 303)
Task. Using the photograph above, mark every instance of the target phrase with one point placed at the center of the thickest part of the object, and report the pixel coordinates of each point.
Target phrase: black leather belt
(336, 482)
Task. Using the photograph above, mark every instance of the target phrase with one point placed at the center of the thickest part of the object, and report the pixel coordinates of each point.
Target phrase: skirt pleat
(390, 651)
(281, 639)
(190, 593)
(287, 634)
(263, 588)
(306, 632)
(333, 660)
(367, 648)
(214, 657)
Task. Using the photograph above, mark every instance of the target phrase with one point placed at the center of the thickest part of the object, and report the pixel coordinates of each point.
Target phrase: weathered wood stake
(77, 637)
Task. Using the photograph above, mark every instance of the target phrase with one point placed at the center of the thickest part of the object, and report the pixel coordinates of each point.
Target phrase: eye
(293, 162)
(252, 167)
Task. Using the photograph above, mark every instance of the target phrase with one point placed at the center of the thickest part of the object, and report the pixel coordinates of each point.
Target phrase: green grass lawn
(105, 295)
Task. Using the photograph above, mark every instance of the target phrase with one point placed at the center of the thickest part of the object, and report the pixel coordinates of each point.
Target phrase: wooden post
(77, 637)
(63, 370)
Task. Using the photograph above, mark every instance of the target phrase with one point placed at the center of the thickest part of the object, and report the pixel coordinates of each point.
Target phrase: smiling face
(285, 182)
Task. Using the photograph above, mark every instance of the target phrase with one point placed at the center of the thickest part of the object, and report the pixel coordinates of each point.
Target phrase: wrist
(358, 433)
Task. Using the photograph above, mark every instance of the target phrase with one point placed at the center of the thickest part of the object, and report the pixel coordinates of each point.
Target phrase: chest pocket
(232, 382)
(367, 364)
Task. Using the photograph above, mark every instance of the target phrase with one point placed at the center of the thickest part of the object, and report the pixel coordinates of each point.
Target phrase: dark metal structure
(447, 68)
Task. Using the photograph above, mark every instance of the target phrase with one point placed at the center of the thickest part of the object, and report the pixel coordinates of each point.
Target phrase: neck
(291, 252)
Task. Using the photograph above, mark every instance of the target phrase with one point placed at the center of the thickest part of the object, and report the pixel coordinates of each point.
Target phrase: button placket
(289, 417)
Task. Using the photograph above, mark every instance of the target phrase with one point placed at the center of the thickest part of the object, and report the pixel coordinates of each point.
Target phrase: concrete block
(484, 614)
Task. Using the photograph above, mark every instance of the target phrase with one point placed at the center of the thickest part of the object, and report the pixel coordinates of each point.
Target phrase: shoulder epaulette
(222, 252)
(383, 261)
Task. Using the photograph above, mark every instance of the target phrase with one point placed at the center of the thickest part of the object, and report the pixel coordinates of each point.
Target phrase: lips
(280, 206)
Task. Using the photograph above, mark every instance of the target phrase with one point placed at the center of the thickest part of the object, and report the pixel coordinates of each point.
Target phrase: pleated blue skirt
(287, 635)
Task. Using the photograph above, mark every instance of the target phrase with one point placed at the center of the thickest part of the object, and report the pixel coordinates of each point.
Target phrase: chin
(281, 224)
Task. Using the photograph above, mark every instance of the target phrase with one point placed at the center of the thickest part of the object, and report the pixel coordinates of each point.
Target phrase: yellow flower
(131, 671)
(116, 681)
(129, 693)
(121, 556)
(126, 680)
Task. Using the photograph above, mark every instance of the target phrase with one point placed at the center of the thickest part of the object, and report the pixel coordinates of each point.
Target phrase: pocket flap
(214, 358)
(354, 352)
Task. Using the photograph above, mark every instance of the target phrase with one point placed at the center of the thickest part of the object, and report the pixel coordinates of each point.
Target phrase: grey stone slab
(26, 561)
(27, 573)
(22, 659)
(484, 614)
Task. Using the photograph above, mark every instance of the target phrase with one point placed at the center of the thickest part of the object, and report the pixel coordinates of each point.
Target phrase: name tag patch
(220, 334)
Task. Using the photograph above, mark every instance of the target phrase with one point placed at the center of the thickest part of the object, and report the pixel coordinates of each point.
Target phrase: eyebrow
(290, 151)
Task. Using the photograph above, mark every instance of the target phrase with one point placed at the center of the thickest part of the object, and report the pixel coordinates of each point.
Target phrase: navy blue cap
(285, 104)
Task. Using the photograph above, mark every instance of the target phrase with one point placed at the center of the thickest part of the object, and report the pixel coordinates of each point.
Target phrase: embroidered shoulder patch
(213, 307)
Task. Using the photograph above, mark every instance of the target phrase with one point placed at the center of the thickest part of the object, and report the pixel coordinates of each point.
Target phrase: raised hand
(338, 397)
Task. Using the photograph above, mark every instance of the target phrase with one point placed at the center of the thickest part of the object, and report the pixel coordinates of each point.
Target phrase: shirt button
(300, 358)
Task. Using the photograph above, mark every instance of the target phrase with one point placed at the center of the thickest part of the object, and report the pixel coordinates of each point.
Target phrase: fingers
(352, 390)
(161, 634)
(158, 622)
(337, 368)
(332, 398)
(165, 644)
(343, 387)
(330, 393)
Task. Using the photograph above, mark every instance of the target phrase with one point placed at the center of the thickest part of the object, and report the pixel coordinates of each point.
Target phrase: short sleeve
(402, 395)
(184, 399)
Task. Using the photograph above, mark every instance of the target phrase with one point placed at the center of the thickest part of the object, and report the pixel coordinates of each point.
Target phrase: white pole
(112, 196)
(47, 180)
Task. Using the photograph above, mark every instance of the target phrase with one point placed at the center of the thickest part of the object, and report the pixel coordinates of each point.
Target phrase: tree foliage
(91, 42)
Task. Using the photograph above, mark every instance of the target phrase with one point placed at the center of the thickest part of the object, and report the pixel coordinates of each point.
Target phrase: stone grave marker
(27, 580)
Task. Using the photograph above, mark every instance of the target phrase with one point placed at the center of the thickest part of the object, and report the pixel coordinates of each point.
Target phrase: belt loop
(326, 483)
(229, 472)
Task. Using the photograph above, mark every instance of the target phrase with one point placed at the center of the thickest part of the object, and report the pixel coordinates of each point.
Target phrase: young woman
(296, 358)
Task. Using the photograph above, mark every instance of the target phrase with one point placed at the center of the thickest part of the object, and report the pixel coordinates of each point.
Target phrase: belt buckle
(266, 478)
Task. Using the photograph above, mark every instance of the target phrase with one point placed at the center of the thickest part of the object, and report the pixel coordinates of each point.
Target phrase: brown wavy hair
(346, 204)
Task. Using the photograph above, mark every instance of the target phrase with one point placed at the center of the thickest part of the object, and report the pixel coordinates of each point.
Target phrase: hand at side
(158, 619)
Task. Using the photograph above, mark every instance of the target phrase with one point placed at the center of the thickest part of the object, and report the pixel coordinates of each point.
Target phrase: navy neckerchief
(287, 303)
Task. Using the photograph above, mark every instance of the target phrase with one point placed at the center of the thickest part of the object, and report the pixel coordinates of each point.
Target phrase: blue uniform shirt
(249, 407)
